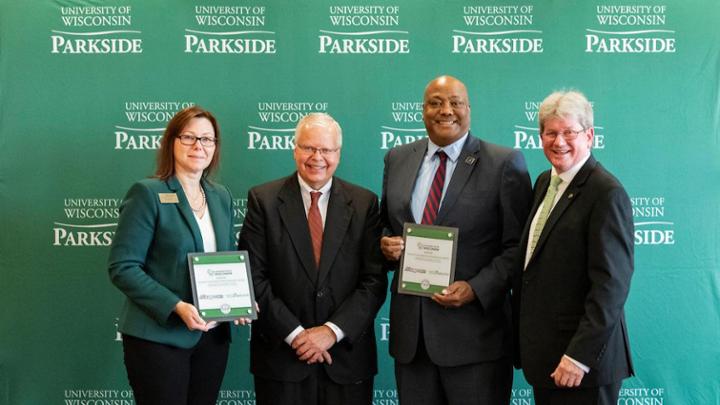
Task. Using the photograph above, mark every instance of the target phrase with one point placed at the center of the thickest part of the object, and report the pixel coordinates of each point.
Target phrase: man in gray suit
(456, 347)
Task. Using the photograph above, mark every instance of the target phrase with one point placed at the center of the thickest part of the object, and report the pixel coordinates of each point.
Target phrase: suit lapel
(465, 164)
(292, 213)
(337, 220)
(186, 213)
(217, 216)
(568, 197)
(412, 166)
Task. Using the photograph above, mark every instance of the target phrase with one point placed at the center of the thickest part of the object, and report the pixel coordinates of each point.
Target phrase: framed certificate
(222, 285)
(427, 264)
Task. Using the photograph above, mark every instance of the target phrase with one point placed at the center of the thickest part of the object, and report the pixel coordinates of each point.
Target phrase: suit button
(320, 294)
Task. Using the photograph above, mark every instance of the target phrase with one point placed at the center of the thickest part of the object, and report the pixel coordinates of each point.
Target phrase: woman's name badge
(168, 198)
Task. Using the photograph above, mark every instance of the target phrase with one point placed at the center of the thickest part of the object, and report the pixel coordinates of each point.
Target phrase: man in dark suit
(578, 259)
(456, 347)
(317, 270)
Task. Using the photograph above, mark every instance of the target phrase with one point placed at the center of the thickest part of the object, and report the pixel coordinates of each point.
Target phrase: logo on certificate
(427, 265)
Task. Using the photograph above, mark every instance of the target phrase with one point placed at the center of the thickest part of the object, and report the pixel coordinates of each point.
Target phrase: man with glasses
(455, 347)
(314, 251)
(577, 251)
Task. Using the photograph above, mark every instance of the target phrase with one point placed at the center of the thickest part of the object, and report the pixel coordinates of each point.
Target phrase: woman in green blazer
(171, 354)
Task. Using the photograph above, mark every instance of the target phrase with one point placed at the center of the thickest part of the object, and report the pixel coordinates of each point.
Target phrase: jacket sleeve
(126, 265)
(358, 310)
(275, 315)
(385, 221)
(492, 284)
(609, 267)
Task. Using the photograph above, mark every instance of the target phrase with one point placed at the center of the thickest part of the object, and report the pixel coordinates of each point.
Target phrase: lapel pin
(570, 195)
(469, 160)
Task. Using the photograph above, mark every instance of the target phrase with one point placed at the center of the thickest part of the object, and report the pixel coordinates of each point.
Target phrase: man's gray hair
(319, 119)
(569, 104)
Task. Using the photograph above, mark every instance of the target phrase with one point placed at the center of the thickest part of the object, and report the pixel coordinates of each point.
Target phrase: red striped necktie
(432, 206)
(316, 225)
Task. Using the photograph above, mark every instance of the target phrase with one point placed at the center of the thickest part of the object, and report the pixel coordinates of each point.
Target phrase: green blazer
(148, 257)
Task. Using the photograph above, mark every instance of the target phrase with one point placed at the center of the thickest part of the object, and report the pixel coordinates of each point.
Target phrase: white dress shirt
(305, 190)
(206, 231)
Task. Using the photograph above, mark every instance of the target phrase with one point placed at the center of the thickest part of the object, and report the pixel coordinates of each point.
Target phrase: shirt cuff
(289, 339)
(339, 335)
(583, 367)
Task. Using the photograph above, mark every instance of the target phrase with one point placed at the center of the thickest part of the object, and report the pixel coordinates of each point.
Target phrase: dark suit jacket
(572, 293)
(148, 257)
(488, 199)
(348, 288)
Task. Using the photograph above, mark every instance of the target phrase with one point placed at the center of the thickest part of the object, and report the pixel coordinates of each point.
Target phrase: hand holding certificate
(222, 285)
(427, 265)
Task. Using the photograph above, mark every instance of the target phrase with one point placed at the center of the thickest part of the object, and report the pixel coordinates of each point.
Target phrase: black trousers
(602, 395)
(317, 389)
(161, 375)
(423, 382)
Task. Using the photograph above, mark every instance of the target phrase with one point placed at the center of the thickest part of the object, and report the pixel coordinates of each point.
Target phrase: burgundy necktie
(432, 206)
(316, 225)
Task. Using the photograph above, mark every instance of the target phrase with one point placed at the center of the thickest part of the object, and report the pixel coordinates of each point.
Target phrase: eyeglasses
(311, 150)
(190, 140)
(454, 104)
(568, 134)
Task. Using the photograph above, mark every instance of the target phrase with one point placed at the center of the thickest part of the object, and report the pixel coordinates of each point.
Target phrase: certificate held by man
(427, 264)
(222, 285)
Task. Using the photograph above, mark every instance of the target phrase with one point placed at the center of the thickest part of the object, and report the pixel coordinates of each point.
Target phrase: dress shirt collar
(305, 188)
(568, 175)
(452, 151)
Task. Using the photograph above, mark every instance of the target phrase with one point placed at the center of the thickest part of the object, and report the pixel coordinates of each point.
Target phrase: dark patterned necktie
(432, 206)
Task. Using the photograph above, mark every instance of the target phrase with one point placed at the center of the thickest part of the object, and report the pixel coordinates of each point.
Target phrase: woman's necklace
(202, 203)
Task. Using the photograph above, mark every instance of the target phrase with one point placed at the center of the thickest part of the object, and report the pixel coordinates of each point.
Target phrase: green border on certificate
(427, 264)
(222, 285)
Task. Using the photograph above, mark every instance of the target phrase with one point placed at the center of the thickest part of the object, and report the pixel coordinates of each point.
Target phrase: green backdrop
(86, 88)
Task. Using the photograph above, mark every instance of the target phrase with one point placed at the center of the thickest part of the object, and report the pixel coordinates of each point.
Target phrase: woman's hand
(189, 314)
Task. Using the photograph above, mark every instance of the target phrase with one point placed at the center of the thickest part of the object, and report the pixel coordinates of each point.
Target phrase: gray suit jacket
(488, 199)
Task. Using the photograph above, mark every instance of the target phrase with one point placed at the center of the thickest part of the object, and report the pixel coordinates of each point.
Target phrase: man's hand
(312, 345)
(392, 247)
(247, 321)
(567, 374)
(455, 295)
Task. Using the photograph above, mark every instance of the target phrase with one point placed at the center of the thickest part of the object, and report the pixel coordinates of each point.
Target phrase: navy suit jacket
(571, 295)
(488, 199)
